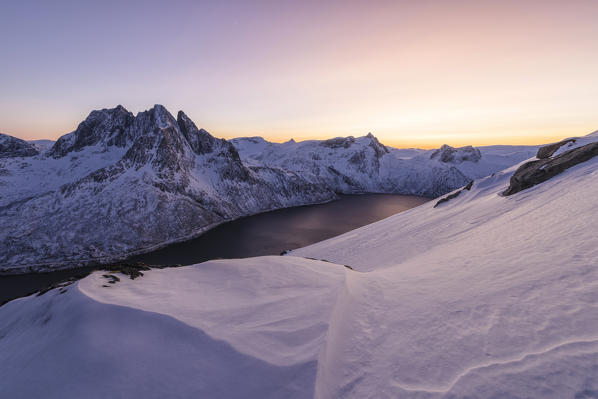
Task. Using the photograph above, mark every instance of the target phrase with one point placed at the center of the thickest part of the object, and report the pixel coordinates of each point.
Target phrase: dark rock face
(110, 127)
(454, 195)
(448, 154)
(200, 140)
(536, 172)
(12, 147)
(547, 150)
(338, 142)
(378, 147)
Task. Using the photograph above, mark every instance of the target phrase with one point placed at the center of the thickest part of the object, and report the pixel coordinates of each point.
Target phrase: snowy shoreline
(99, 262)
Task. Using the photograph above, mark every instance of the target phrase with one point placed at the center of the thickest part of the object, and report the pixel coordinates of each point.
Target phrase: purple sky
(412, 72)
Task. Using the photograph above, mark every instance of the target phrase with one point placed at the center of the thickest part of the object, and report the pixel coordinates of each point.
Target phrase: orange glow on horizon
(433, 142)
(415, 74)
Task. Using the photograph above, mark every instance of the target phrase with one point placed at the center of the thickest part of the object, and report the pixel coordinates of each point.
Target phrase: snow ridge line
(330, 346)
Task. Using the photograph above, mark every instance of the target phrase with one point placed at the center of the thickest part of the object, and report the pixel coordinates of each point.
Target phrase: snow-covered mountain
(363, 164)
(486, 295)
(122, 183)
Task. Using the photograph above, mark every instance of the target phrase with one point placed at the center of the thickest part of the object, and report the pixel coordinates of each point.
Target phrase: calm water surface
(264, 234)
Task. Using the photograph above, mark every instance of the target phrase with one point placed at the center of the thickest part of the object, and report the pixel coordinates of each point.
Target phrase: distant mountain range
(363, 164)
(122, 184)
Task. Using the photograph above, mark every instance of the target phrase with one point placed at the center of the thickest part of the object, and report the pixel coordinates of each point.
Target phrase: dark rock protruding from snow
(454, 195)
(548, 150)
(536, 172)
(339, 142)
(12, 147)
(448, 154)
(200, 140)
(107, 126)
(378, 147)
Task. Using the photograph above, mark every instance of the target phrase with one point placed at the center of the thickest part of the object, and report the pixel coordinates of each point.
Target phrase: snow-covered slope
(77, 344)
(363, 164)
(42, 144)
(122, 183)
(484, 296)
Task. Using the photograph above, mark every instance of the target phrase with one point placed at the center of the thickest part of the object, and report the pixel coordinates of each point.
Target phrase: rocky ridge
(121, 184)
(551, 162)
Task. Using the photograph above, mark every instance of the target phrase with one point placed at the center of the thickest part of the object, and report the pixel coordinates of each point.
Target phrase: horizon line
(509, 140)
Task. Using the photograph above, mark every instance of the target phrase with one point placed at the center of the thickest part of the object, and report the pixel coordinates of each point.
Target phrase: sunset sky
(414, 73)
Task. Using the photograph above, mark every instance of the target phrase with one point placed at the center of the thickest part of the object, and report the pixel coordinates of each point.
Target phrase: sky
(414, 73)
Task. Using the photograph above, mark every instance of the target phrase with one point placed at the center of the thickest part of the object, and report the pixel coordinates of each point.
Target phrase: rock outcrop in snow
(551, 163)
(453, 195)
(548, 150)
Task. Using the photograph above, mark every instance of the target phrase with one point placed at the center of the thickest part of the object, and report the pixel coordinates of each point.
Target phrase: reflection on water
(273, 232)
(265, 234)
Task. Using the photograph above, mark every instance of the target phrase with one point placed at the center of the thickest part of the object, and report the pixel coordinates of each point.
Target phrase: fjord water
(268, 233)
(272, 232)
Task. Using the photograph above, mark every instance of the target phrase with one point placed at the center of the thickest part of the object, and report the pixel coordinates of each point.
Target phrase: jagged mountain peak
(151, 134)
(181, 116)
(157, 117)
(200, 140)
(187, 125)
(116, 127)
(108, 112)
(160, 115)
(379, 148)
(107, 126)
(159, 108)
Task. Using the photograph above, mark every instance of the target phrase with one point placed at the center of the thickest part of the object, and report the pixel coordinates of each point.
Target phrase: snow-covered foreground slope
(484, 296)
(363, 164)
(193, 332)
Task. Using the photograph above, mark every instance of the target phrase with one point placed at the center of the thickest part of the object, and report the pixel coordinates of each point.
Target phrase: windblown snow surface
(484, 296)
